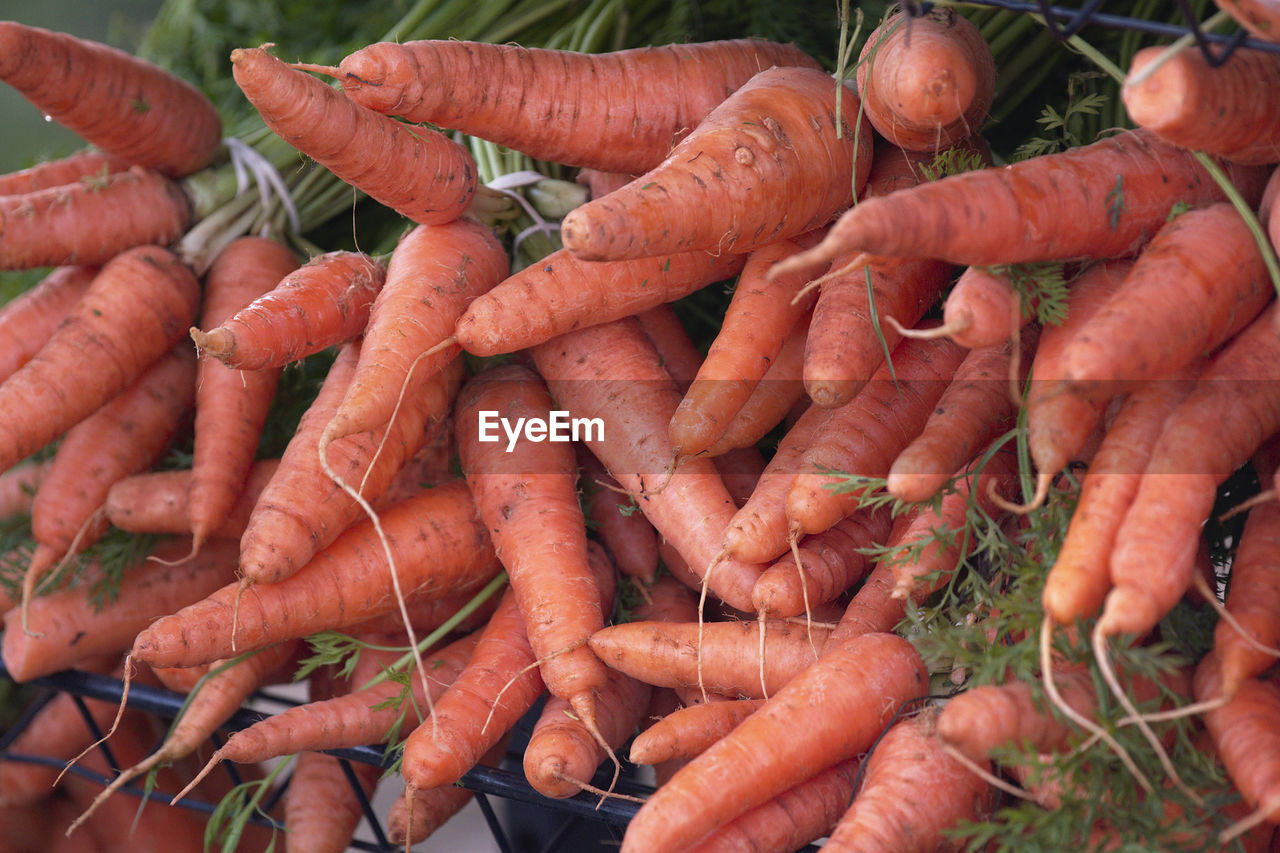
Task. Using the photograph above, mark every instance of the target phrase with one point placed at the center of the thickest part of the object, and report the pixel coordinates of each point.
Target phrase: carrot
(679, 355)
(1227, 110)
(874, 608)
(611, 372)
(600, 183)
(832, 561)
(911, 792)
(612, 93)
(778, 396)
(417, 172)
(434, 274)
(1097, 201)
(325, 302)
(984, 308)
(756, 323)
(90, 222)
(156, 502)
(1256, 16)
(830, 712)
(414, 816)
(561, 293)
(740, 469)
(321, 810)
(667, 600)
(124, 105)
(88, 163)
(135, 311)
(687, 732)
(866, 435)
(343, 585)
(626, 533)
(927, 80)
(778, 130)
(72, 627)
(667, 654)
(28, 320)
(428, 614)
(18, 487)
(974, 410)
(1251, 601)
(231, 405)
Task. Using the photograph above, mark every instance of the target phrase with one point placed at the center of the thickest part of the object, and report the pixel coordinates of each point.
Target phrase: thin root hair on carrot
(1202, 586)
(1043, 480)
(925, 334)
(125, 681)
(1250, 503)
(514, 678)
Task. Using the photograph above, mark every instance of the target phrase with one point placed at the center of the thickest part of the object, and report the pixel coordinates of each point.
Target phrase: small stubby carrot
(450, 84)
(136, 309)
(562, 293)
(984, 308)
(345, 584)
(680, 356)
(1107, 199)
(18, 487)
(912, 791)
(324, 302)
(90, 222)
(231, 405)
(1251, 600)
(417, 171)
(830, 712)
(688, 731)
(1228, 110)
(625, 532)
(321, 809)
(435, 272)
(156, 502)
(125, 106)
(27, 321)
(780, 131)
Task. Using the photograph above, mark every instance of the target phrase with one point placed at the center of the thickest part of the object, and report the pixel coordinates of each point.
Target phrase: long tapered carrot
(321, 809)
(830, 712)
(625, 532)
(435, 272)
(137, 308)
(156, 502)
(780, 130)
(27, 320)
(417, 171)
(231, 405)
(124, 105)
(439, 546)
(689, 731)
(779, 395)
(1098, 201)
(324, 302)
(553, 94)
(87, 164)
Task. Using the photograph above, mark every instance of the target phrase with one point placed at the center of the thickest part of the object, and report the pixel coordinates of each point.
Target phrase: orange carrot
(28, 320)
(1251, 599)
(231, 405)
(1228, 110)
(18, 487)
(418, 172)
(778, 130)
(124, 105)
(779, 395)
(740, 469)
(321, 810)
(984, 308)
(561, 293)
(679, 354)
(426, 614)
(626, 533)
(873, 607)
(926, 80)
(1098, 201)
(631, 131)
(600, 183)
(324, 302)
(687, 732)
(434, 274)
(830, 712)
(667, 600)
(90, 222)
(343, 585)
(1257, 16)
(89, 163)
(417, 814)
(943, 793)
(135, 311)
(156, 502)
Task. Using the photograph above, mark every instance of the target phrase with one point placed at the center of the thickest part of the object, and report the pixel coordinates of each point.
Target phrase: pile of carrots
(783, 568)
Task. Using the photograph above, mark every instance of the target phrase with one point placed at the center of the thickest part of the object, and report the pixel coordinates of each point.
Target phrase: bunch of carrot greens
(901, 411)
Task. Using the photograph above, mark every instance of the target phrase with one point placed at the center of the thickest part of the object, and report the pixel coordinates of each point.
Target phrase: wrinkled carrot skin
(137, 308)
(756, 324)
(156, 502)
(320, 808)
(536, 118)
(1236, 400)
(561, 293)
(626, 533)
(125, 106)
(83, 165)
(778, 131)
(665, 654)
(687, 732)
(833, 561)
(72, 628)
(91, 222)
(1079, 579)
(866, 435)
(18, 487)
(927, 81)
(231, 405)
(861, 685)
(911, 792)
(322, 303)
(612, 372)
(28, 320)
(435, 272)
(1231, 111)
(1062, 206)
(418, 172)
(1253, 598)
(439, 545)
(1246, 734)
(680, 356)
(777, 395)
